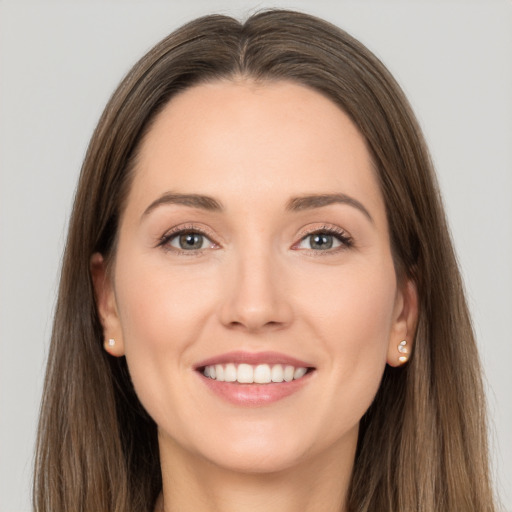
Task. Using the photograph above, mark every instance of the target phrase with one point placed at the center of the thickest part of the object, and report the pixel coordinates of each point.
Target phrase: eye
(324, 240)
(187, 240)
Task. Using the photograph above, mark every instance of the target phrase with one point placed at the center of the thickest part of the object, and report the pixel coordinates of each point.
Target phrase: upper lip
(253, 358)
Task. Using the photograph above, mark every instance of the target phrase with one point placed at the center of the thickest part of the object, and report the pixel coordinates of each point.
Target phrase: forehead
(245, 138)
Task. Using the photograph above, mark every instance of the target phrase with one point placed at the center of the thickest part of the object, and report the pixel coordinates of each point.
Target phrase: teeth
(249, 374)
(245, 374)
(229, 373)
(298, 373)
(219, 372)
(289, 371)
(262, 374)
(277, 373)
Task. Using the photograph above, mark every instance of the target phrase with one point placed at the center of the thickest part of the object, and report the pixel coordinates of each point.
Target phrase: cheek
(354, 306)
(352, 318)
(162, 313)
(159, 307)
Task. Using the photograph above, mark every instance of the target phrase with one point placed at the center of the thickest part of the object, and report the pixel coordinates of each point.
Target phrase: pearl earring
(402, 348)
(111, 342)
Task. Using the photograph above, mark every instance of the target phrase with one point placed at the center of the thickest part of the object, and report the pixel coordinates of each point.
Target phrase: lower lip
(254, 395)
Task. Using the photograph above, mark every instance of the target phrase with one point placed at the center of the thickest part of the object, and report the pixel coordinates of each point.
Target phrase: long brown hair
(422, 444)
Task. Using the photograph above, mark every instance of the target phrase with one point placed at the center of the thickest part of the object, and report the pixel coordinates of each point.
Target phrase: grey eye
(190, 241)
(320, 242)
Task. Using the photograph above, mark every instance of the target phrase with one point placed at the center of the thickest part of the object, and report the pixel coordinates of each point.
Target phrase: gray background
(59, 62)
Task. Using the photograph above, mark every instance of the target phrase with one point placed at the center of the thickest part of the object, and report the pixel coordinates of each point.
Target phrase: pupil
(191, 241)
(321, 242)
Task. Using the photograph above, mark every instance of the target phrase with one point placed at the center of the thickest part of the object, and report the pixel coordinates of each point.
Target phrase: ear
(106, 306)
(405, 319)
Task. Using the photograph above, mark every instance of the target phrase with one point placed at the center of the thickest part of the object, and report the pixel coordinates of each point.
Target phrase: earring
(402, 348)
(111, 342)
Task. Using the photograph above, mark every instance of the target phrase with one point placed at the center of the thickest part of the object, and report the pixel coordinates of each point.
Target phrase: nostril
(252, 325)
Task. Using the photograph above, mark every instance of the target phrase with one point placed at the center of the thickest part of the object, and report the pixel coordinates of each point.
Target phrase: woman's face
(255, 240)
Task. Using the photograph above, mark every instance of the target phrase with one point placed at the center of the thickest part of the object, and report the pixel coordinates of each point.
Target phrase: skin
(256, 285)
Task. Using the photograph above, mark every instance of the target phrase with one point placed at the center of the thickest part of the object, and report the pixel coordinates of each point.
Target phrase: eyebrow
(320, 200)
(295, 204)
(192, 200)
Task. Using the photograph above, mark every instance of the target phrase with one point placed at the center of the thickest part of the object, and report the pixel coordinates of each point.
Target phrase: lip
(254, 395)
(253, 358)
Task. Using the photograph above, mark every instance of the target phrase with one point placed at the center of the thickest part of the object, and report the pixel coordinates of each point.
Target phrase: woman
(260, 305)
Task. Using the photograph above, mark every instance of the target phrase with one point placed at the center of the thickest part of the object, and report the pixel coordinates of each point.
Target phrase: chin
(273, 449)
(257, 460)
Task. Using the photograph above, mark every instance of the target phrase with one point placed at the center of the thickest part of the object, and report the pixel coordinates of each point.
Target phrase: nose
(256, 296)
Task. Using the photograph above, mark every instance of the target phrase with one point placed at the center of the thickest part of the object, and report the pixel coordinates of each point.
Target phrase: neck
(191, 483)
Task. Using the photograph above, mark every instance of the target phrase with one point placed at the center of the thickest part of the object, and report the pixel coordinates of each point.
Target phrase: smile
(254, 374)
(254, 379)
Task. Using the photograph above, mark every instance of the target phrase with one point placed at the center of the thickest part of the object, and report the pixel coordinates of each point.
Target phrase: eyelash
(183, 230)
(345, 240)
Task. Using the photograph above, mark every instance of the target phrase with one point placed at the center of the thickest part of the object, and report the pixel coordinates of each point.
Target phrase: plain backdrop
(59, 63)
